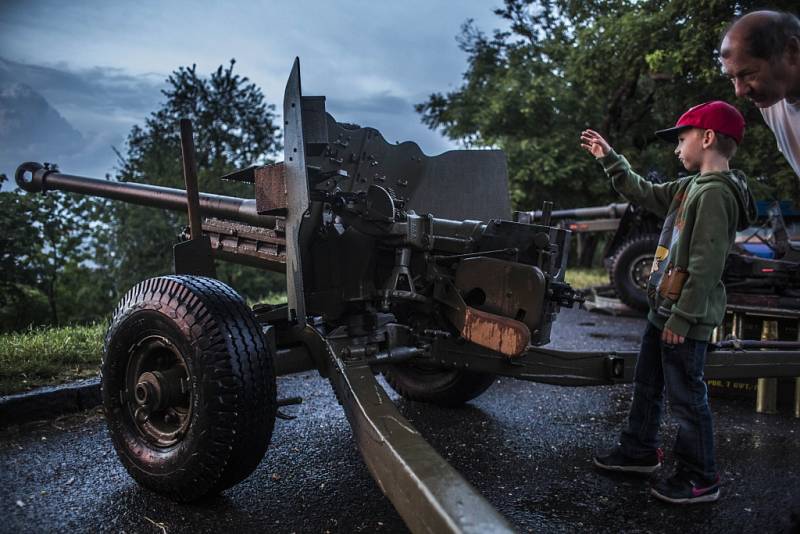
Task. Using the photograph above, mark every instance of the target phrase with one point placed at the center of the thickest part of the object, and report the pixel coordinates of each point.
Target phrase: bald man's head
(763, 34)
(760, 53)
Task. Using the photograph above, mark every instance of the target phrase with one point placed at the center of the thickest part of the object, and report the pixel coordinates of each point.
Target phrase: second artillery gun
(395, 262)
(762, 268)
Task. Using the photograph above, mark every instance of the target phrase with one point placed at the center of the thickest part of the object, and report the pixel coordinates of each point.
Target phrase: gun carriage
(395, 262)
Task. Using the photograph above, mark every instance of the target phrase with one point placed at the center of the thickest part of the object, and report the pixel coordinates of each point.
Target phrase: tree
(623, 67)
(233, 127)
(42, 238)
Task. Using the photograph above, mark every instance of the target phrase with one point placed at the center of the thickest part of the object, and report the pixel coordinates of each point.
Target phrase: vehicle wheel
(188, 386)
(445, 387)
(630, 270)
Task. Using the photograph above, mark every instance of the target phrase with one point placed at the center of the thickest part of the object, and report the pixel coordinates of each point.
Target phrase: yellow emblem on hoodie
(661, 254)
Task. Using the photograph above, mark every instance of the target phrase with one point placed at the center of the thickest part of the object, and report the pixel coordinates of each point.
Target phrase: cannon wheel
(630, 270)
(188, 386)
(445, 387)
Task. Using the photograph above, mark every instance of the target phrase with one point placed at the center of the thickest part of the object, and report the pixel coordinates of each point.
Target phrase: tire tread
(238, 386)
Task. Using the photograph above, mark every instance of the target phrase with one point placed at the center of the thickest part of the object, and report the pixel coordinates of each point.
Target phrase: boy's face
(690, 148)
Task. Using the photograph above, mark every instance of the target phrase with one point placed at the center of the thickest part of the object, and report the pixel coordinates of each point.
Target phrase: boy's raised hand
(594, 143)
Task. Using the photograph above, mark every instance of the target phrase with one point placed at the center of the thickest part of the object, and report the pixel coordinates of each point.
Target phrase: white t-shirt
(784, 120)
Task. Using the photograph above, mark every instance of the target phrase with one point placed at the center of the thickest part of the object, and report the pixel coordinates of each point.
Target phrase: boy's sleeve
(708, 250)
(652, 197)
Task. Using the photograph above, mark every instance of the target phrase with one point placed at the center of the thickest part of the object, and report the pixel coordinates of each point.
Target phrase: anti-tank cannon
(395, 262)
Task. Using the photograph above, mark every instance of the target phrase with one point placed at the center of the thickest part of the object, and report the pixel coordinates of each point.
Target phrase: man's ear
(709, 138)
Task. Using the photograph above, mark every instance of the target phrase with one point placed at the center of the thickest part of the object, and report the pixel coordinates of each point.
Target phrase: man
(761, 54)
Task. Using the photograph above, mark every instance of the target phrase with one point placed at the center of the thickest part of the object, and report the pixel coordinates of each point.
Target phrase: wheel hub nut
(148, 391)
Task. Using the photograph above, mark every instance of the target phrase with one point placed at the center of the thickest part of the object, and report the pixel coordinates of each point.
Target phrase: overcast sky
(101, 64)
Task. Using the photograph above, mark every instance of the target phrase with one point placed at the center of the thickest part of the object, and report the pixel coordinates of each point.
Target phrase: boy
(687, 298)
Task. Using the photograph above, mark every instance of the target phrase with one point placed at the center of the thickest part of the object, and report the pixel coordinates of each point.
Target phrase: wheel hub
(158, 396)
(147, 394)
(640, 271)
(157, 390)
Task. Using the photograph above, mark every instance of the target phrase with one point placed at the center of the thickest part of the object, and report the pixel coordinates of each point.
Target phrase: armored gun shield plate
(459, 184)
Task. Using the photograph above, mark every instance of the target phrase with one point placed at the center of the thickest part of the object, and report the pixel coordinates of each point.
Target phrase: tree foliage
(623, 67)
(47, 272)
(233, 127)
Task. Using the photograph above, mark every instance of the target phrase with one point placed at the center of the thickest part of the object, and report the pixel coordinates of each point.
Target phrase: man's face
(763, 82)
(690, 148)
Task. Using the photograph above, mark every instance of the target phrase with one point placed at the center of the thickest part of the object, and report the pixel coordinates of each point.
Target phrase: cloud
(91, 99)
(72, 117)
(394, 117)
(382, 103)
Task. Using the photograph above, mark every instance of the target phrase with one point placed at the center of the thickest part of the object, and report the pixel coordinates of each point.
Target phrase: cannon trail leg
(428, 493)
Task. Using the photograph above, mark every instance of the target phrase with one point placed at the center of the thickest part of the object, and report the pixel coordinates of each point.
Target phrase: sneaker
(616, 460)
(685, 487)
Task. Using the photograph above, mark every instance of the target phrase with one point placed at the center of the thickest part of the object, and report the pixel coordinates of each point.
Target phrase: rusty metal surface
(248, 245)
(495, 332)
(504, 335)
(426, 491)
(504, 288)
(270, 181)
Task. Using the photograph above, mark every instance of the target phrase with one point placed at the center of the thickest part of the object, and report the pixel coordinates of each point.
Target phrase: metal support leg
(426, 491)
(767, 388)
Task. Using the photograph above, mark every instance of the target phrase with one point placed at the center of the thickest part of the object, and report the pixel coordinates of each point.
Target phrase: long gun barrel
(34, 178)
(612, 211)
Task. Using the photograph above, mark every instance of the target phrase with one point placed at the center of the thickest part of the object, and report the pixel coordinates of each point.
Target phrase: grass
(584, 278)
(46, 356)
(49, 356)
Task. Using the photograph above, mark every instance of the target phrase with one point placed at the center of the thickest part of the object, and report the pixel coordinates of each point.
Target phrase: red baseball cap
(717, 115)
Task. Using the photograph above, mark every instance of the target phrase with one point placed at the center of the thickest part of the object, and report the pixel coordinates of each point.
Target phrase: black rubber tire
(231, 383)
(444, 387)
(638, 251)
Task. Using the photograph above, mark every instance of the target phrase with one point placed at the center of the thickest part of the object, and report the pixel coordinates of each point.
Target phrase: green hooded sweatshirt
(701, 215)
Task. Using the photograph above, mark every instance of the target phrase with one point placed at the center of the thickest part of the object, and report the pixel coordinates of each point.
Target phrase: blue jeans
(680, 369)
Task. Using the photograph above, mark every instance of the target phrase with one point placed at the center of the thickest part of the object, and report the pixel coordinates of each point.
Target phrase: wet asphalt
(525, 446)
